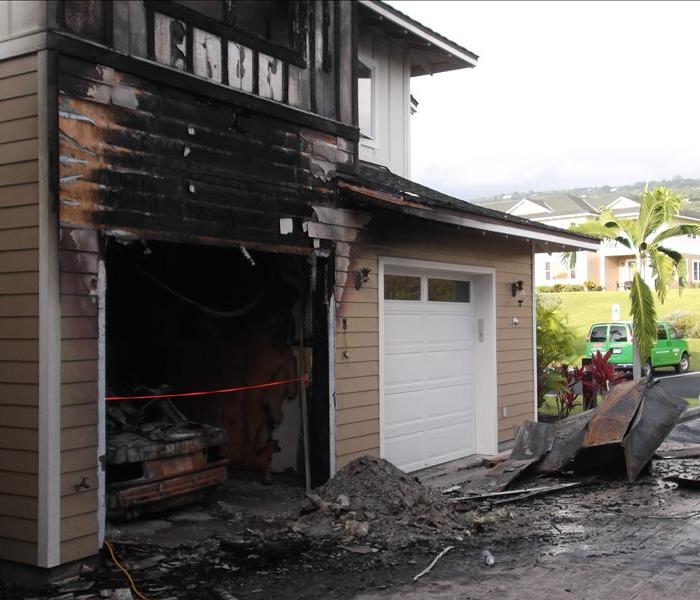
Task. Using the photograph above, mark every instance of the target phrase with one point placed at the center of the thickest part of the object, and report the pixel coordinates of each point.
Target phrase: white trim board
(485, 384)
(49, 477)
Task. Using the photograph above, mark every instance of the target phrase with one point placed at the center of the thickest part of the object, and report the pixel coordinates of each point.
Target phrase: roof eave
(457, 53)
(564, 240)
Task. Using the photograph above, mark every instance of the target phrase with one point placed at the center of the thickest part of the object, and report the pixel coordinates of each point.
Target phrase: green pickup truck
(670, 350)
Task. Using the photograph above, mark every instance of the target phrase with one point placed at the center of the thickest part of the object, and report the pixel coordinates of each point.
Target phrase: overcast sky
(565, 94)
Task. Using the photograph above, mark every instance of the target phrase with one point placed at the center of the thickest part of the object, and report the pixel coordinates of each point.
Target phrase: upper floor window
(696, 270)
(548, 271)
(365, 100)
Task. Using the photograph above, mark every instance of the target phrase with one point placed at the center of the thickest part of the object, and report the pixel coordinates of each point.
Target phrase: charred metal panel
(207, 57)
(138, 156)
(240, 67)
(270, 77)
(170, 41)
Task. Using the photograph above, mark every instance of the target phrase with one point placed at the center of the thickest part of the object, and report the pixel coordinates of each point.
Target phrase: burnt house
(216, 195)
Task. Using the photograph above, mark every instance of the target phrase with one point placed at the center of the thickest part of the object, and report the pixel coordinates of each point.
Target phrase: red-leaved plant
(597, 377)
(602, 374)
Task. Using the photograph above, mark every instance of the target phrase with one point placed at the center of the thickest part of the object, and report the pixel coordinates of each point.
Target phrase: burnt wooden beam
(318, 410)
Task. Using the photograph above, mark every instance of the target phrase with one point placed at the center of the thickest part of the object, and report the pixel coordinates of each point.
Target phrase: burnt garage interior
(183, 318)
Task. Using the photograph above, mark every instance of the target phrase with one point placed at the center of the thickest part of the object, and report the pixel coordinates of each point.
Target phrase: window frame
(695, 269)
(548, 271)
(371, 64)
(296, 54)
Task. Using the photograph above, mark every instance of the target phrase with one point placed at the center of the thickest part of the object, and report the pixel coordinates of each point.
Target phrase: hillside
(686, 187)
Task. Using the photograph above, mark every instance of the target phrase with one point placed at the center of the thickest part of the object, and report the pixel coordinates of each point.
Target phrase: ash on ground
(373, 500)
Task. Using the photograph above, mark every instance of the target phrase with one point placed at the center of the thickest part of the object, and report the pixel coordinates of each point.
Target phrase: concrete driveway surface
(610, 540)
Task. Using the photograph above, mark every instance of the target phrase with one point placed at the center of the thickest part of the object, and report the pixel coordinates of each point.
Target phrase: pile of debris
(371, 498)
(621, 435)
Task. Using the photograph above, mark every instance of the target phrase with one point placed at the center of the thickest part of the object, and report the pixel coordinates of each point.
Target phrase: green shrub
(558, 287)
(590, 285)
(686, 322)
(573, 287)
(556, 346)
(544, 289)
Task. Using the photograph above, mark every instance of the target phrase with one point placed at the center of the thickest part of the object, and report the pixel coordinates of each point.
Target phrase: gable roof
(379, 186)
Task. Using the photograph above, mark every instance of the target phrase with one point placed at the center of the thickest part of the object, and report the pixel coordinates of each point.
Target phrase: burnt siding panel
(79, 262)
(171, 162)
(19, 282)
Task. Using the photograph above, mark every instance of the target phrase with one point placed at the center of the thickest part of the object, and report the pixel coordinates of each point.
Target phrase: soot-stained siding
(140, 156)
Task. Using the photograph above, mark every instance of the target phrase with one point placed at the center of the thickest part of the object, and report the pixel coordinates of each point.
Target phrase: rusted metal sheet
(532, 441)
(611, 421)
(654, 420)
(568, 440)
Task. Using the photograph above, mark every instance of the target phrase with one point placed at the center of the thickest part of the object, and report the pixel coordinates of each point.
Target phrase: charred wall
(142, 157)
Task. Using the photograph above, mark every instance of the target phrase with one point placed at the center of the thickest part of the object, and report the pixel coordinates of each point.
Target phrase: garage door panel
(447, 364)
(410, 450)
(450, 328)
(403, 413)
(447, 401)
(427, 381)
(403, 329)
(403, 368)
(439, 445)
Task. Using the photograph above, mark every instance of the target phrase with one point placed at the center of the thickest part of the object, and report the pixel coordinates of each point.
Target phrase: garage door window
(448, 290)
(401, 287)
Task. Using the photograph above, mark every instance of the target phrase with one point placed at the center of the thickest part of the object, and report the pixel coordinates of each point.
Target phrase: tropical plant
(567, 397)
(601, 375)
(556, 345)
(645, 237)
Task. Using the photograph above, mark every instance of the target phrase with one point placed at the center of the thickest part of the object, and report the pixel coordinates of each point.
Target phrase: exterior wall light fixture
(518, 291)
(361, 277)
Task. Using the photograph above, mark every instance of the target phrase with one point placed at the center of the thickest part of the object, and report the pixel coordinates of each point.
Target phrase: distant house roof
(559, 205)
(379, 186)
(430, 52)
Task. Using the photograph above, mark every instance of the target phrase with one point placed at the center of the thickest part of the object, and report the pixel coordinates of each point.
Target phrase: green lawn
(550, 406)
(585, 308)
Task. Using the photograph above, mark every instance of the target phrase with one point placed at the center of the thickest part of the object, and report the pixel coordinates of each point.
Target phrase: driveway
(612, 540)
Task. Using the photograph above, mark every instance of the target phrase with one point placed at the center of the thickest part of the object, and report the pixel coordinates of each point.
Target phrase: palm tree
(645, 236)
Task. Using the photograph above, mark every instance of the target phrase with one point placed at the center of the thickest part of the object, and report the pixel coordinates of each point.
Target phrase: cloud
(565, 94)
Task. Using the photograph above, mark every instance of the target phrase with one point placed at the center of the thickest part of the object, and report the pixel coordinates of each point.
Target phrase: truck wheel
(684, 365)
(647, 369)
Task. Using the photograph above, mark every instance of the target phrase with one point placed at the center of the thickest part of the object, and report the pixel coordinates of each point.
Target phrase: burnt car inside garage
(206, 362)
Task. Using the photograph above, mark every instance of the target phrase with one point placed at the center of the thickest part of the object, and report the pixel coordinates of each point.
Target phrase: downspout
(534, 326)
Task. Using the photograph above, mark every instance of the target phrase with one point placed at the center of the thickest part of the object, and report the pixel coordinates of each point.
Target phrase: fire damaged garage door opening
(186, 318)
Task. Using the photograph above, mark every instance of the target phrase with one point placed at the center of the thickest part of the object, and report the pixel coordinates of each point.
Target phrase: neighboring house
(186, 199)
(612, 266)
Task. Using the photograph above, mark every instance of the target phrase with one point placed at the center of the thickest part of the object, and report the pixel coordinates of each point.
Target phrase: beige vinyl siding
(357, 327)
(78, 262)
(19, 309)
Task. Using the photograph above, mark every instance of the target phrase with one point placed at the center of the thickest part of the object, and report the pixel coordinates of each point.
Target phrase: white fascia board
(396, 19)
(564, 216)
(511, 230)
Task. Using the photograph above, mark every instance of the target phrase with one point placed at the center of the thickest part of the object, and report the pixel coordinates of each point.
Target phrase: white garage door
(428, 368)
